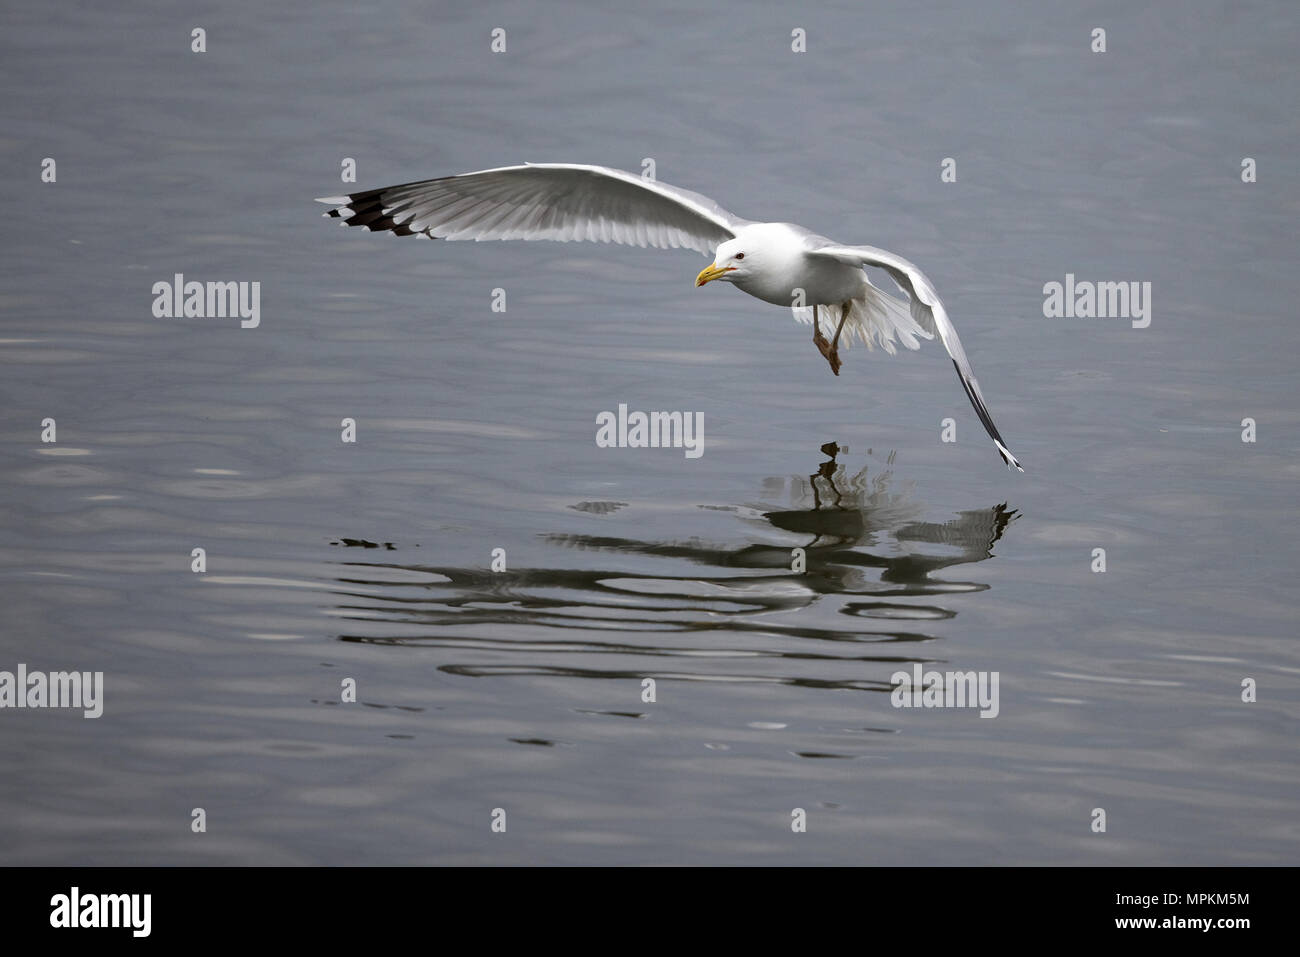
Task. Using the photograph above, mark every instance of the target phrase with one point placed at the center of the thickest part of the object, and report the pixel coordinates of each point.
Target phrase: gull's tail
(875, 318)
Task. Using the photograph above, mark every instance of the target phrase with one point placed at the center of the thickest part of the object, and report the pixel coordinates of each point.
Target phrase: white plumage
(779, 263)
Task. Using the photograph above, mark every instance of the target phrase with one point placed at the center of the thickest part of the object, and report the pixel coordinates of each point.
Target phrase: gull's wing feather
(559, 201)
(929, 313)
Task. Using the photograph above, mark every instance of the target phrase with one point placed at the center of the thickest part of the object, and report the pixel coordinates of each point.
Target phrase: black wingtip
(368, 209)
(981, 410)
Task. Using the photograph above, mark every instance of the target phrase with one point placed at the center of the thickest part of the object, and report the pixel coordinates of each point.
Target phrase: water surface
(522, 689)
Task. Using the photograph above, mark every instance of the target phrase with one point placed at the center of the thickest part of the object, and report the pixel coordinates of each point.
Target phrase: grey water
(523, 689)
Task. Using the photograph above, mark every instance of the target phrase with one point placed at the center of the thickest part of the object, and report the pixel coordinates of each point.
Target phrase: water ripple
(857, 538)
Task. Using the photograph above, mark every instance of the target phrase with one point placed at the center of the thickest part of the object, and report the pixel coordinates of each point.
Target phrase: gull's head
(733, 260)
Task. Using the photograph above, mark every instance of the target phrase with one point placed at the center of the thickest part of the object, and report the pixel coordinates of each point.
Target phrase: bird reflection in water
(864, 548)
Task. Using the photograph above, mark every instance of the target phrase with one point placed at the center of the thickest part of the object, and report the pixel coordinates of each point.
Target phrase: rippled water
(731, 604)
(522, 689)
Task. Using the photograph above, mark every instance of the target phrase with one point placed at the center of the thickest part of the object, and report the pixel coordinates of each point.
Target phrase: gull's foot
(828, 352)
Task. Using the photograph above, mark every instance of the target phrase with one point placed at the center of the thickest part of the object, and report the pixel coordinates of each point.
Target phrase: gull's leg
(833, 354)
(823, 346)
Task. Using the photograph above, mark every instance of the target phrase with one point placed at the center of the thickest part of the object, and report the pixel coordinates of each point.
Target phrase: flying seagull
(780, 263)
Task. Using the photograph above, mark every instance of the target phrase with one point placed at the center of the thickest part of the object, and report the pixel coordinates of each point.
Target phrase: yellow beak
(712, 273)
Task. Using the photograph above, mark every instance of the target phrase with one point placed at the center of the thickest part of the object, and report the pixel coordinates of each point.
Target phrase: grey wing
(557, 201)
(928, 311)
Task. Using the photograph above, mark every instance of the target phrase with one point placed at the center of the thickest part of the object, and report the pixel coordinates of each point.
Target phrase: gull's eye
(740, 255)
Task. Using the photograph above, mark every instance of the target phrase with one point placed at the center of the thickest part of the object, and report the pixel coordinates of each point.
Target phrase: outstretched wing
(559, 201)
(929, 313)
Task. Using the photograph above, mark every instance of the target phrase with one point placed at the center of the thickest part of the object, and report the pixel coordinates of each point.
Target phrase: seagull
(779, 263)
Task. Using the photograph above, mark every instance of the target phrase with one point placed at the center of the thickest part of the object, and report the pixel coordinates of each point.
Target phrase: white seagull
(780, 263)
